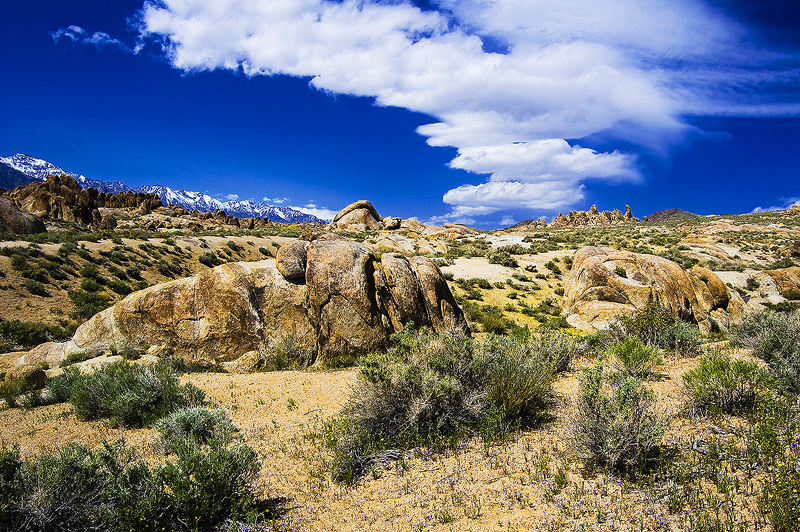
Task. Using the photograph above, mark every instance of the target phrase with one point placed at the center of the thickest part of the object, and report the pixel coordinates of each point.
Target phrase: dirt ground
(533, 481)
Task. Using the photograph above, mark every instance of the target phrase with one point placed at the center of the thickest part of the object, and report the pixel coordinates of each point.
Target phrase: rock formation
(358, 216)
(787, 281)
(59, 197)
(592, 218)
(18, 222)
(669, 215)
(605, 283)
(790, 250)
(330, 295)
(128, 200)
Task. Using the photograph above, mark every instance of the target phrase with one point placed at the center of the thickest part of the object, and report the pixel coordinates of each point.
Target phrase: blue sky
(476, 111)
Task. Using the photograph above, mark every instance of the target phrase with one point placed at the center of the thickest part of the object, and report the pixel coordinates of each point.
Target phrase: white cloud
(76, 35)
(232, 197)
(616, 69)
(787, 203)
(320, 212)
(507, 221)
(276, 201)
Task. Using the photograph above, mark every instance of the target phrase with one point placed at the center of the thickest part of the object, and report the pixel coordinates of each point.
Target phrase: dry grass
(531, 481)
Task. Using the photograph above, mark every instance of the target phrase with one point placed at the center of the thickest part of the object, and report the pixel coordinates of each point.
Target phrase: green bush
(193, 423)
(637, 359)
(87, 304)
(721, 384)
(656, 326)
(287, 351)
(126, 394)
(618, 431)
(210, 259)
(107, 489)
(503, 258)
(17, 334)
(775, 339)
(35, 287)
(432, 390)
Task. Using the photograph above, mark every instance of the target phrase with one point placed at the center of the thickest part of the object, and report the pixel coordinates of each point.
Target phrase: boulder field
(329, 297)
(606, 282)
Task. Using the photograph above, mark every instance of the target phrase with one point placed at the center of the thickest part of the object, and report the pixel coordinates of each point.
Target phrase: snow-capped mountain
(38, 169)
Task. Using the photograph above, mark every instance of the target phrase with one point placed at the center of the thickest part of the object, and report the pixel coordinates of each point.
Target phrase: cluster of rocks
(605, 283)
(361, 216)
(592, 217)
(328, 296)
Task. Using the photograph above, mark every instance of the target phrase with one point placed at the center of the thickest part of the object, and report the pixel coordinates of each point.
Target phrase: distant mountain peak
(38, 169)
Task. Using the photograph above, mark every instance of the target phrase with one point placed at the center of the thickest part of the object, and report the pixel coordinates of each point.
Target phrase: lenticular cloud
(622, 70)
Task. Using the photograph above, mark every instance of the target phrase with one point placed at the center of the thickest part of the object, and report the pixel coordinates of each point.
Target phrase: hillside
(713, 466)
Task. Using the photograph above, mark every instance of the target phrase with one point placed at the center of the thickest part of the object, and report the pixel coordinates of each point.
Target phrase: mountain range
(20, 169)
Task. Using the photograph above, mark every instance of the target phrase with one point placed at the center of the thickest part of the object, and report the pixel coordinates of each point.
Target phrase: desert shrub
(35, 287)
(614, 425)
(193, 423)
(126, 394)
(553, 267)
(558, 348)
(74, 358)
(492, 320)
(133, 272)
(210, 259)
(107, 489)
(780, 498)
(636, 359)
(482, 283)
(657, 327)
(12, 389)
(287, 350)
(264, 251)
(432, 390)
(87, 304)
(503, 258)
(774, 338)
(17, 334)
(120, 287)
(721, 384)
(619, 270)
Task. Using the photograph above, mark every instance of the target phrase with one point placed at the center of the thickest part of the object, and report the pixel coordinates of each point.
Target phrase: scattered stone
(18, 222)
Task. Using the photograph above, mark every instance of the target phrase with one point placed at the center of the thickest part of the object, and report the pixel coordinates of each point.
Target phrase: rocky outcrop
(593, 217)
(794, 209)
(32, 376)
(670, 215)
(128, 200)
(787, 281)
(345, 303)
(18, 222)
(58, 197)
(358, 216)
(605, 283)
(790, 250)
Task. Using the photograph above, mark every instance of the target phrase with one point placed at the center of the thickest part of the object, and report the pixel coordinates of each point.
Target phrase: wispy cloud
(787, 203)
(276, 201)
(75, 35)
(322, 213)
(232, 197)
(575, 69)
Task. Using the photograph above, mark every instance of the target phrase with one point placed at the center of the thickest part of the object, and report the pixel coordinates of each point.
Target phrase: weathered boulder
(593, 217)
(247, 363)
(787, 281)
(790, 250)
(605, 283)
(18, 222)
(358, 216)
(291, 259)
(392, 222)
(345, 303)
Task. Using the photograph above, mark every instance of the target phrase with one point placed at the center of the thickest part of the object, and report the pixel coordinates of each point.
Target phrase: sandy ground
(512, 485)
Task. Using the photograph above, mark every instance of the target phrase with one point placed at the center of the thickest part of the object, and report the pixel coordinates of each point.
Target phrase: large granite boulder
(344, 302)
(18, 222)
(358, 216)
(787, 280)
(605, 283)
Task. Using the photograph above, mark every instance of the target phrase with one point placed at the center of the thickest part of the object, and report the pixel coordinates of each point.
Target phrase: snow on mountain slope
(38, 169)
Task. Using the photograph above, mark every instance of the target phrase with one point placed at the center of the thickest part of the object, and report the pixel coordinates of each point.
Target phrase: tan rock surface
(605, 282)
(342, 304)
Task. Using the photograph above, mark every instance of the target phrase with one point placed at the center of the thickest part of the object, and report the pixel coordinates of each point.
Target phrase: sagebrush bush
(108, 490)
(721, 384)
(636, 359)
(126, 394)
(26, 334)
(193, 423)
(614, 425)
(658, 327)
(775, 339)
(432, 390)
(287, 350)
